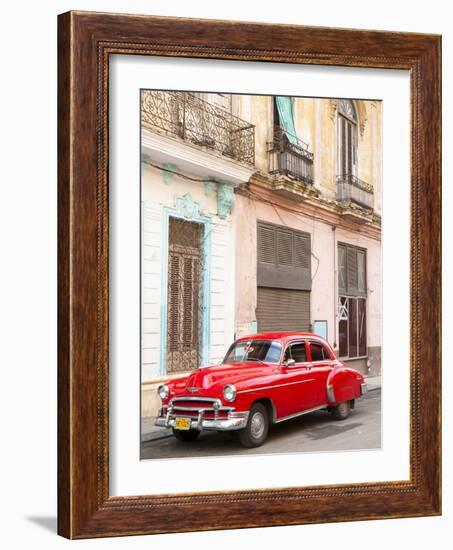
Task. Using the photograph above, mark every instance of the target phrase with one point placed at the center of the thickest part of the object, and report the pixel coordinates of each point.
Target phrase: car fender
(343, 384)
(245, 400)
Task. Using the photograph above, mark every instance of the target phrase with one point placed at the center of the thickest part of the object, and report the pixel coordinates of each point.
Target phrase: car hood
(220, 375)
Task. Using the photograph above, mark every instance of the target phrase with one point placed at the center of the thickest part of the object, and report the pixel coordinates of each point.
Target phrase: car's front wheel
(186, 435)
(257, 428)
(341, 411)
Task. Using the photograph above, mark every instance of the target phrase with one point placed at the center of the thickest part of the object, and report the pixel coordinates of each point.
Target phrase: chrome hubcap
(257, 425)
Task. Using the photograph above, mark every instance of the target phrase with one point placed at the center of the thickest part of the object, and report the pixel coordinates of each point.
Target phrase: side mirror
(290, 363)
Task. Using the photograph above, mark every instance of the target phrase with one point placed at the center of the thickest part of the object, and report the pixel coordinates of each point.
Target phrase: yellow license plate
(182, 424)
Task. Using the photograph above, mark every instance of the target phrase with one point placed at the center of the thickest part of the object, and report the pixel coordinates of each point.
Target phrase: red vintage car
(264, 379)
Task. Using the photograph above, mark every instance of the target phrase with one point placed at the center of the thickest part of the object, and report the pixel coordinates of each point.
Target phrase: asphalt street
(312, 432)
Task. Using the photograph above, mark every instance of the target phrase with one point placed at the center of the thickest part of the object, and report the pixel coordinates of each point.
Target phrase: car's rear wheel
(341, 411)
(257, 428)
(186, 435)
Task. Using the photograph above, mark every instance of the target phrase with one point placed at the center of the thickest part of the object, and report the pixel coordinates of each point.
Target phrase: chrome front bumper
(233, 422)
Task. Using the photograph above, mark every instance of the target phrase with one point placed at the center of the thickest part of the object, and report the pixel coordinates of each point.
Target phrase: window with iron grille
(352, 287)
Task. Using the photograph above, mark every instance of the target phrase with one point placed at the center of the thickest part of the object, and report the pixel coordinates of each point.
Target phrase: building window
(284, 257)
(352, 301)
(347, 138)
(351, 270)
(283, 278)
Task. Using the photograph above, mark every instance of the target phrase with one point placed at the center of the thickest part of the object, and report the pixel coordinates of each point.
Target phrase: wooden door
(184, 296)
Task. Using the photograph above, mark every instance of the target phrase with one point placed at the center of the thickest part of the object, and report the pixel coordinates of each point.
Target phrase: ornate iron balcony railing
(187, 116)
(352, 189)
(290, 159)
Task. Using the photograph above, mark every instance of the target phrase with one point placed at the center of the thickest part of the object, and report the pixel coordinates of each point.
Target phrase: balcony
(351, 189)
(290, 158)
(183, 115)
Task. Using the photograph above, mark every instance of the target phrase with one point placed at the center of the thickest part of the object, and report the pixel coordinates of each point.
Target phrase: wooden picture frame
(85, 42)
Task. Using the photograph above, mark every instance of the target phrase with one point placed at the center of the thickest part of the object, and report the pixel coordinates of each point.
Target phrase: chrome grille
(196, 407)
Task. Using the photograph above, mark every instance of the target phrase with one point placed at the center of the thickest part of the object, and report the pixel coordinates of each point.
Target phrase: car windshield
(267, 351)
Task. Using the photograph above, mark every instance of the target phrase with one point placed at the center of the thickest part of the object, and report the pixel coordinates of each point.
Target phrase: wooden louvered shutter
(284, 257)
(348, 146)
(173, 301)
(183, 302)
(361, 272)
(190, 305)
(342, 269)
(302, 256)
(349, 154)
(351, 270)
(266, 244)
(284, 247)
(351, 254)
(343, 145)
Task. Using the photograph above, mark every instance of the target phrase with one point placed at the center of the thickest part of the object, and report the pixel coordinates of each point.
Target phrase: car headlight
(163, 391)
(229, 392)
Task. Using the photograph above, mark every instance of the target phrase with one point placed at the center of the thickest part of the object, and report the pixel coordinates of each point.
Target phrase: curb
(154, 436)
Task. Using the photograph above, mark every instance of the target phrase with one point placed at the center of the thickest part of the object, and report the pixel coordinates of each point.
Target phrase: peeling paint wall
(156, 196)
(234, 240)
(316, 124)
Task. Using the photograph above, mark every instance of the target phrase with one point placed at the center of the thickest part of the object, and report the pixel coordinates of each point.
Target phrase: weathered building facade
(259, 213)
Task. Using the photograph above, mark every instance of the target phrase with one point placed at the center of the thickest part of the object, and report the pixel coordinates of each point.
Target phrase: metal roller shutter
(283, 309)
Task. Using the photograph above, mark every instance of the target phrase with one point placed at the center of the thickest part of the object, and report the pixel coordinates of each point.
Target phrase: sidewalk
(150, 432)
(373, 382)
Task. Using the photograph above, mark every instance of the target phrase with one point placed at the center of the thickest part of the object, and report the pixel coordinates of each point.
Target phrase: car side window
(296, 352)
(287, 355)
(318, 352)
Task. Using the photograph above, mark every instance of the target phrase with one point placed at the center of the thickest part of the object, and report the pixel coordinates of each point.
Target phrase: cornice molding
(310, 203)
(193, 159)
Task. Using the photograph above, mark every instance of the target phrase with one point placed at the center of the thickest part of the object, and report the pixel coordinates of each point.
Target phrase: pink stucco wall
(324, 239)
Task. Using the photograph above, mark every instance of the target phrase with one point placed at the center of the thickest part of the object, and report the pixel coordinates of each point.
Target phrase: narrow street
(313, 432)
